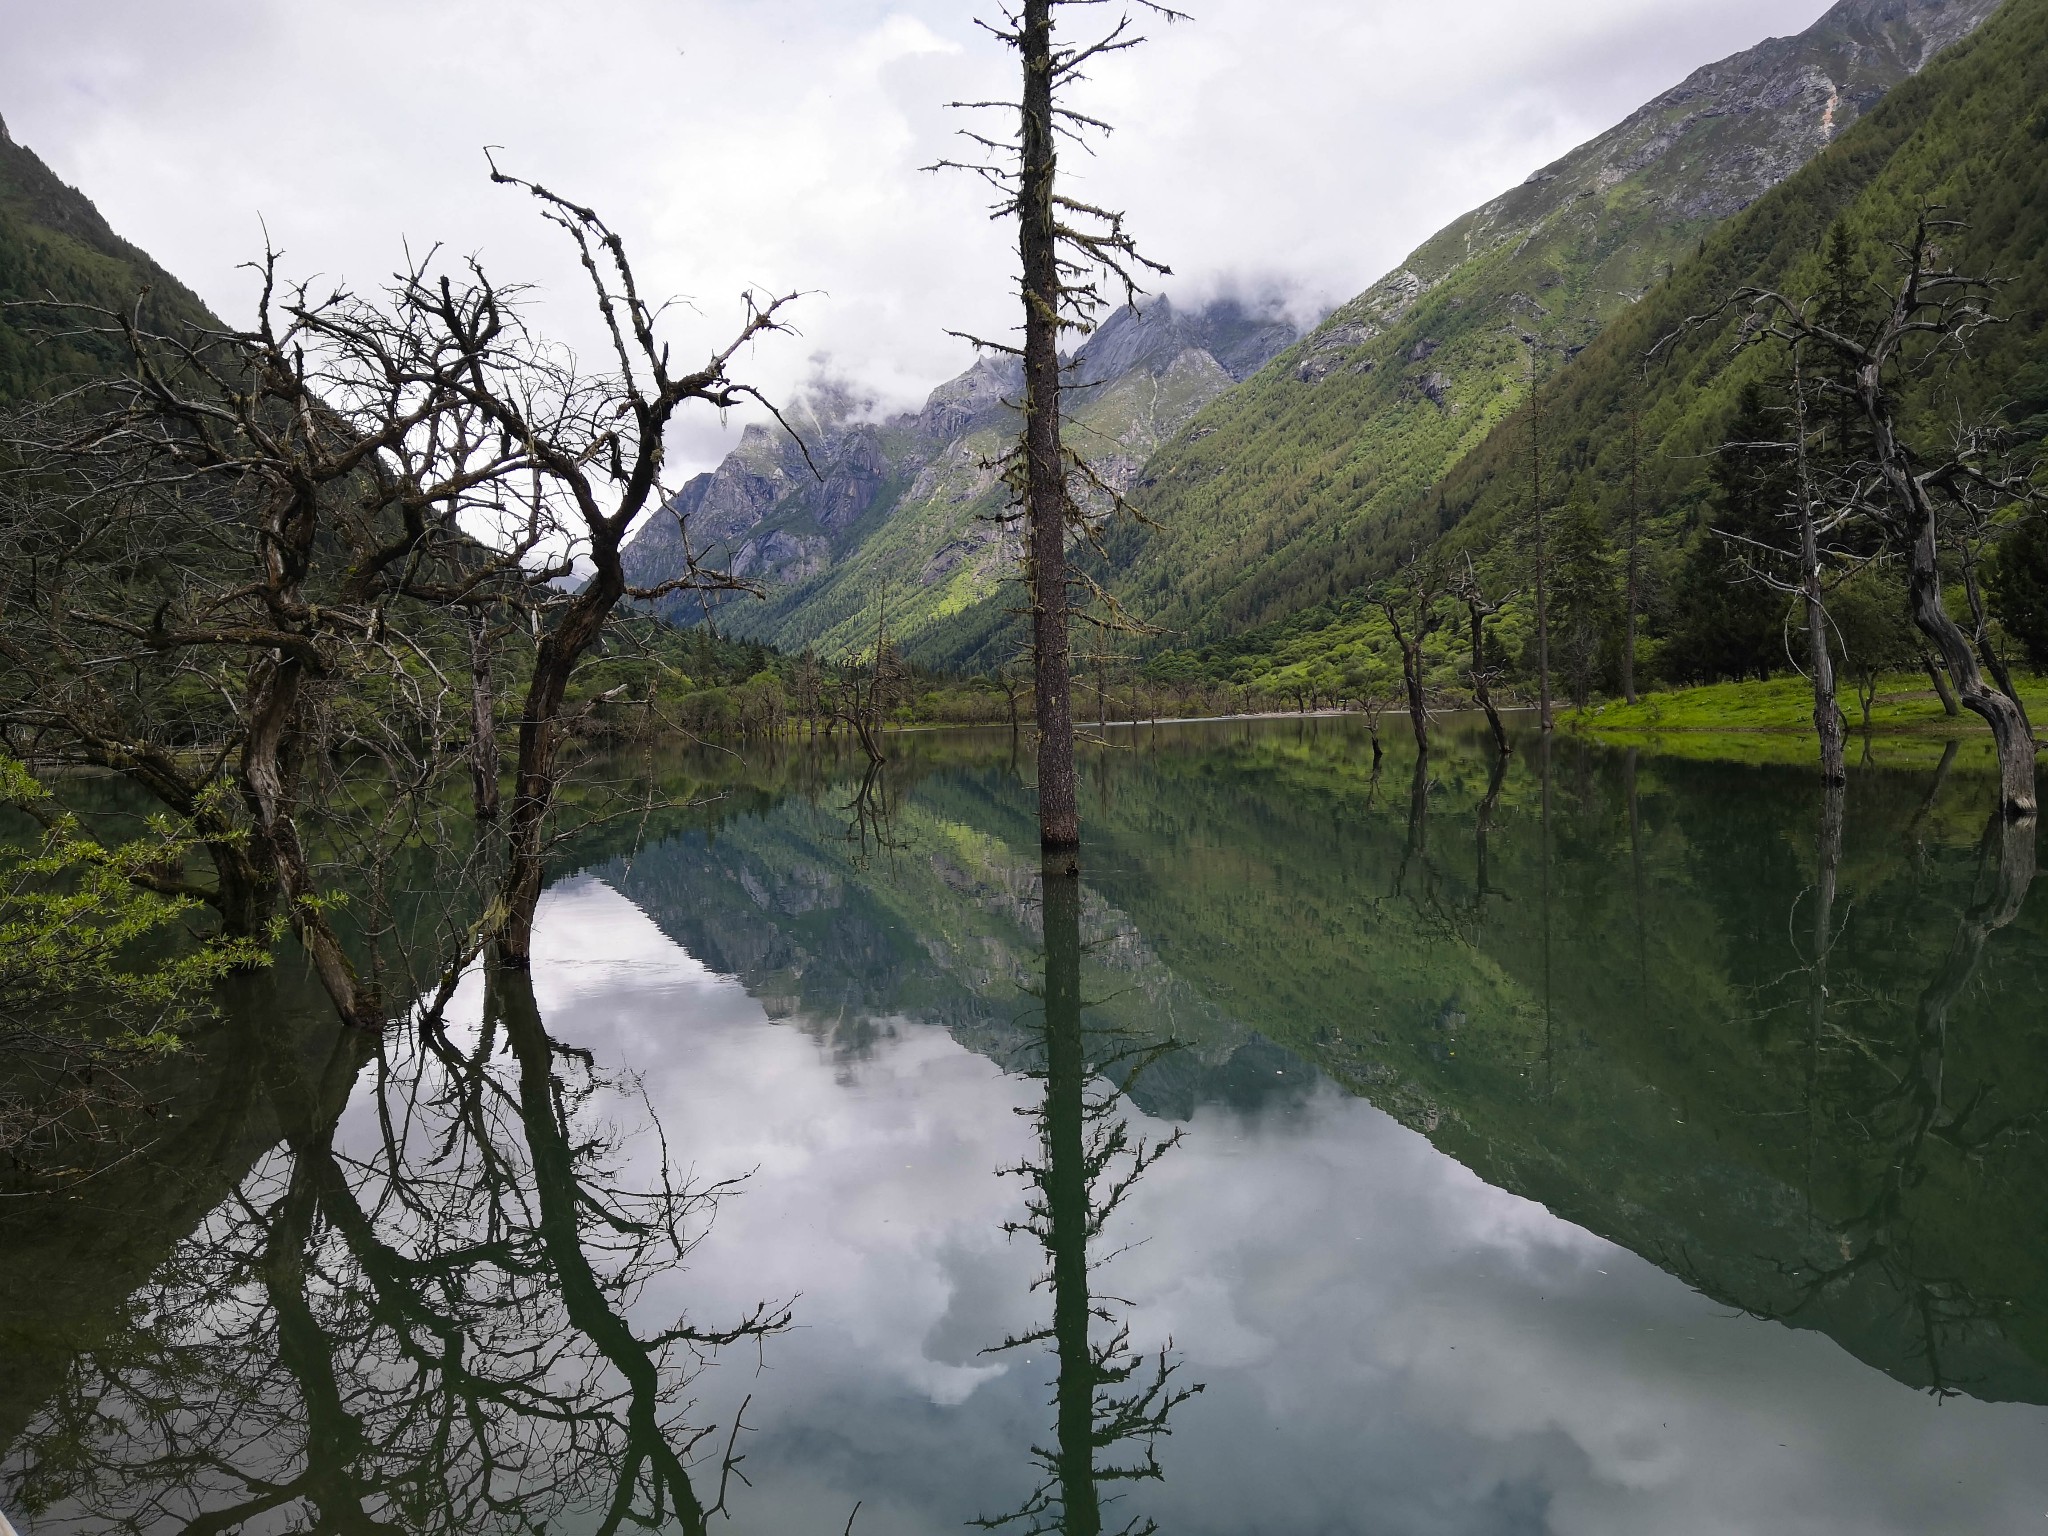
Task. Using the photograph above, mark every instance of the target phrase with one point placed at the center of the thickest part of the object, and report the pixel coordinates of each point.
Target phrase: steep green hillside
(1270, 500)
(54, 244)
(1969, 135)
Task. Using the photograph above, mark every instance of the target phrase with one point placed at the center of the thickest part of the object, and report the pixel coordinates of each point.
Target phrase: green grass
(1772, 722)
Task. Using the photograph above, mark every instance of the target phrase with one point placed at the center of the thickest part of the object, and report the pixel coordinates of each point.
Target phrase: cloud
(1298, 151)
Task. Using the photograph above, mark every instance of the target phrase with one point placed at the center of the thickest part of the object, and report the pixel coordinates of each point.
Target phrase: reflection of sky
(1389, 1344)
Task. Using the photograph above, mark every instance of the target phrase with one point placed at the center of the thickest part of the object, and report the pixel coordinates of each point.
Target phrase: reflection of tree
(1887, 1088)
(420, 1325)
(1111, 1403)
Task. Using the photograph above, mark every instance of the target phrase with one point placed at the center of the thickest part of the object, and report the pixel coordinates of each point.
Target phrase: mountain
(1968, 135)
(1278, 495)
(55, 244)
(904, 509)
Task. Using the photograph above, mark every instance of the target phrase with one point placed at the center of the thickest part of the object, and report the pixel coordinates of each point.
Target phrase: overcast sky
(1299, 148)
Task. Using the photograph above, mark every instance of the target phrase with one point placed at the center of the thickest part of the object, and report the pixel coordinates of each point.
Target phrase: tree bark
(1045, 469)
(533, 788)
(483, 727)
(1827, 714)
(1947, 695)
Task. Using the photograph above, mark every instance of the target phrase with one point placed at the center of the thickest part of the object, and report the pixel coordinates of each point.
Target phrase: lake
(1589, 1143)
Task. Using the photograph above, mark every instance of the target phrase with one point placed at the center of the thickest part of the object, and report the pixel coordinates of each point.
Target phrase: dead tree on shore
(1068, 250)
(1419, 596)
(1901, 490)
(1478, 609)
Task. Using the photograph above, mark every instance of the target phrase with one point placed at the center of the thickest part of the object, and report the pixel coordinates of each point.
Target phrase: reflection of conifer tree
(1107, 1395)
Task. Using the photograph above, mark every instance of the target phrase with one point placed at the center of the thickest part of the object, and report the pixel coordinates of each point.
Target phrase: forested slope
(55, 245)
(1275, 494)
(1968, 135)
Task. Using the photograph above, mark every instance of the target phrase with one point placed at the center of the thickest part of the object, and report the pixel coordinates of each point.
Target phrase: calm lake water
(1613, 1144)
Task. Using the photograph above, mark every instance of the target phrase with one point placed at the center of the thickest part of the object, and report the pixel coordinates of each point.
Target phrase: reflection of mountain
(1666, 1089)
(942, 930)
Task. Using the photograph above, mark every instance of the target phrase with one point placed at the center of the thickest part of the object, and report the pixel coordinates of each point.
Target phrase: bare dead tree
(1068, 250)
(1419, 592)
(598, 449)
(1931, 312)
(1478, 609)
(289, 524)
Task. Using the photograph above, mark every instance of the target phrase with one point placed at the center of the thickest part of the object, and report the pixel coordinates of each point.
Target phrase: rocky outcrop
(863, 505)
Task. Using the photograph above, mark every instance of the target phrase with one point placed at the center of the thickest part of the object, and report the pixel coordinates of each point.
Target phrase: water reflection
(1502, 1101)
(411, 1316)
(1111, 1402)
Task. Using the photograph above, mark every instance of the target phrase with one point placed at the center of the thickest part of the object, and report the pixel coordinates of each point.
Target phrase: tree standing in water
(1066, 249)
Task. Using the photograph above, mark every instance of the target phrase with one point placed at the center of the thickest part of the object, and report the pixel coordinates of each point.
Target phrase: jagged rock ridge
(902, 509)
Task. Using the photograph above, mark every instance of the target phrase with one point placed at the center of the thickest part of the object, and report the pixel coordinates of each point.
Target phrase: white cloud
(780, 142)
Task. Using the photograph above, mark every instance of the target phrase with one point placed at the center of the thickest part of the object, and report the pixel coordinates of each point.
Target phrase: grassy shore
(1773, 722)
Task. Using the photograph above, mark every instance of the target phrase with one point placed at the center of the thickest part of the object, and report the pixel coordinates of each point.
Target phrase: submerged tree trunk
(1066, 1200)
(2009, 730)
(1480, 689)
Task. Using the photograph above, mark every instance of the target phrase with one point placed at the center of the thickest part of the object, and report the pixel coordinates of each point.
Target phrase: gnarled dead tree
(1930, 312)
(1414, 612)
(1468, 590)
(263, 558)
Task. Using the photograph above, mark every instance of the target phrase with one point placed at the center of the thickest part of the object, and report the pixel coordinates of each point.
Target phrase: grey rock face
(770, 517)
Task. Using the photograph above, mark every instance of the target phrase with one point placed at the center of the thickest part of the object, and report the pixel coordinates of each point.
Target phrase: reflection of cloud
(1389, 1343)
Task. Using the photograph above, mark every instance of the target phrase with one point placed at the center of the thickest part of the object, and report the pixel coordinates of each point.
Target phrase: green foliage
(1958, 136)
(1585, 608)
(84, 947)
(2018, 579)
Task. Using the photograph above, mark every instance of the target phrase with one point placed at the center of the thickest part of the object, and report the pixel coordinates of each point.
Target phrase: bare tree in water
(1478, 609)
(1413, 609)
(1067, 250)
